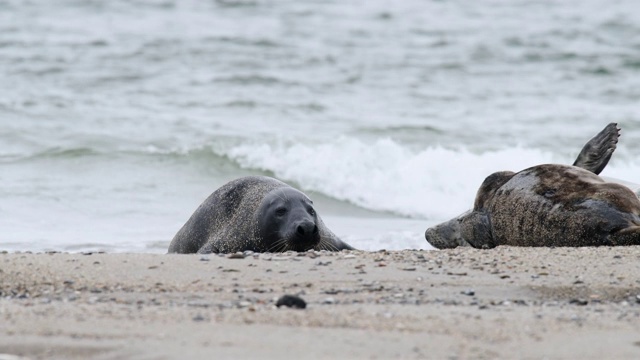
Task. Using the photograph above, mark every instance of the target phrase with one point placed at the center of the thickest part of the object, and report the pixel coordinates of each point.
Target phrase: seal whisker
(327, 245)
(279, 244)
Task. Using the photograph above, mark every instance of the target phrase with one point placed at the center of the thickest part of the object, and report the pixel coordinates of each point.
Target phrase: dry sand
(507, 303)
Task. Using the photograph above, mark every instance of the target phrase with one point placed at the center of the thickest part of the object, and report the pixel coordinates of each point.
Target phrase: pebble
(329, 301)
(291, 301)
(281, 258)
(468, 292)
(579, 302)
(236, 255)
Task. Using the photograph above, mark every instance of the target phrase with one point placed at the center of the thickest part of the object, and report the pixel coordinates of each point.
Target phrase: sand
(527, 303)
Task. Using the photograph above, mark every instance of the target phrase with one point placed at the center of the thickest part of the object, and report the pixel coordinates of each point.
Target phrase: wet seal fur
(549, 205)
(255, 213)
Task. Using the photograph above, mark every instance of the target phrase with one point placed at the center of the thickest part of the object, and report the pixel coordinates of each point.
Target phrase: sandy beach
(527, 303)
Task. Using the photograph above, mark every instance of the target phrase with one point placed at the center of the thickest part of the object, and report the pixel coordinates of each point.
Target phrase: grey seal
(549, 205)
(256, 213)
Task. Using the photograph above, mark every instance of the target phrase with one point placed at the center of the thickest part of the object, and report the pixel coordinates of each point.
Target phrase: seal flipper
(475, 228)
(626, 236)
(208, 248)
(596, 152)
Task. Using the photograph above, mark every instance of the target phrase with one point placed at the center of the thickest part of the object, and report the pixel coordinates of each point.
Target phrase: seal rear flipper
(596, 152)
(476, 230)
(626, 236)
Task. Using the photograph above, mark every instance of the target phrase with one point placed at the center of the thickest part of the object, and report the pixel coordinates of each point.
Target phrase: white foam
(433, 183)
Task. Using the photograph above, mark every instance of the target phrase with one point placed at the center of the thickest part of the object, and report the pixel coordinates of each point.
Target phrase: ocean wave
(432, 183)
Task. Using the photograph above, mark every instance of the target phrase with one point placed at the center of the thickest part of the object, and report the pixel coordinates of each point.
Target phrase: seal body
(549, 205)
(545, 205)
(255, 213)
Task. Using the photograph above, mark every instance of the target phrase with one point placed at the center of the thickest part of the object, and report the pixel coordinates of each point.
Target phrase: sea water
(118, 118)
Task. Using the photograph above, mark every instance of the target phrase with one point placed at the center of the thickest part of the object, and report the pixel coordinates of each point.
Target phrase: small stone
(291, 301)
(468, 292)
(204, 259)
(329, 301)
(236, 255)
(198, 318)
(281, 258)
(457, 274)
(349, 256)
(579, 302)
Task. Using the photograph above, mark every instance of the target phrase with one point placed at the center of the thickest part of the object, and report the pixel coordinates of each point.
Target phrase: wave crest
(434, 183)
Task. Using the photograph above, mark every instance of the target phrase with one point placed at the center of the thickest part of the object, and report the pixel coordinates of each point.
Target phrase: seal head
(287, 221)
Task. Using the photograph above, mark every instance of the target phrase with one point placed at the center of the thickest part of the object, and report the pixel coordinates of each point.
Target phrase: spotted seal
(256, 213)
(549, 205)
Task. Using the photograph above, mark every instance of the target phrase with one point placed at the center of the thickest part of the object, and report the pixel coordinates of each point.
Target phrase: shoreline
(506, 302)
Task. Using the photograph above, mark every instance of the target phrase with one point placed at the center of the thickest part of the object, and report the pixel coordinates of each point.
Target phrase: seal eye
(281, 211)
(311, 212)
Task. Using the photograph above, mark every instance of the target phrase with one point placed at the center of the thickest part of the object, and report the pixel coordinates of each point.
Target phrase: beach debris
(280, 258)
(198, 318)
(579, 302)
(329, 301)
(291, 301)
(468, 292)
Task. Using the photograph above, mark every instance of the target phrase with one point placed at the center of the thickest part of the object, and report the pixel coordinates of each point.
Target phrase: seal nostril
(300, 230)
(315, 229)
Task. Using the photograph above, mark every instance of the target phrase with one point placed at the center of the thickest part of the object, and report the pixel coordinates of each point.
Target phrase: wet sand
(506, 303)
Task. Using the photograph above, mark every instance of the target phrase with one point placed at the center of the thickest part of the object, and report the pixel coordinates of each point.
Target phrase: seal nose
(306, 228)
